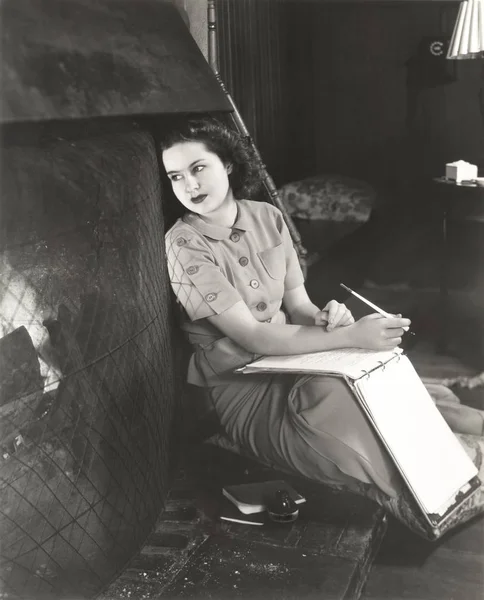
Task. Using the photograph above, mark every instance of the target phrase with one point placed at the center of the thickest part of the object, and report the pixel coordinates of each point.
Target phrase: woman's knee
(441, 393)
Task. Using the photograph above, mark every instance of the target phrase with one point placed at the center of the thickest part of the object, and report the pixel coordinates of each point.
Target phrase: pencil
(371, 305)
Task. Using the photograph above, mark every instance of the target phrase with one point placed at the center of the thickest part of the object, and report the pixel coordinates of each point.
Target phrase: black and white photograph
(242, 299)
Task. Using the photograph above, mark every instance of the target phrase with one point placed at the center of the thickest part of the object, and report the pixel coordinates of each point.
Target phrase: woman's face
(198, 177)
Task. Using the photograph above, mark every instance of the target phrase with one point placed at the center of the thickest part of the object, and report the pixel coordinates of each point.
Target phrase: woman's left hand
(333, 315)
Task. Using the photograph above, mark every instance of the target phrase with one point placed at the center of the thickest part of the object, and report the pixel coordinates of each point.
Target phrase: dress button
(210, 297)
(235, 237)
(243, 261)
(180, 241)
(262, 306)
(254, 284)
(192, 270)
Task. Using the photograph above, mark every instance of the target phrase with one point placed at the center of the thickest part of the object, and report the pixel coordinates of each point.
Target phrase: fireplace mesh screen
(86, 362)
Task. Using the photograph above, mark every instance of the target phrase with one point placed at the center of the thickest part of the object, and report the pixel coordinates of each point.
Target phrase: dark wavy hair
(231, 147)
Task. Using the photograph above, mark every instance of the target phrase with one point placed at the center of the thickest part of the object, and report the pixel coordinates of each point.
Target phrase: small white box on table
(460, 170)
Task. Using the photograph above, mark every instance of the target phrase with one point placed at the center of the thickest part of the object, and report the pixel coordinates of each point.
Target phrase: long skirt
(313, 426)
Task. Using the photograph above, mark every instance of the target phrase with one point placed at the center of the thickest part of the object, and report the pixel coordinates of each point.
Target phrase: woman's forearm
(238, 323)
(275, 339)
(304, 314)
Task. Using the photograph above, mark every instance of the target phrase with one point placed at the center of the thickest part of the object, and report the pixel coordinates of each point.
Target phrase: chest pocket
(274, 261)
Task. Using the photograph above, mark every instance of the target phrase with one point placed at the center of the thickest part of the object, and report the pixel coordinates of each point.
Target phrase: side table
(459, 200)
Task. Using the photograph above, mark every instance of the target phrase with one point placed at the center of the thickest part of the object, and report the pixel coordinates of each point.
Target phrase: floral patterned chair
(326, 208)
(329, 198)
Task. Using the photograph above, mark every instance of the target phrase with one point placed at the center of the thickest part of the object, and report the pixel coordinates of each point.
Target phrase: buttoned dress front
(310, 425)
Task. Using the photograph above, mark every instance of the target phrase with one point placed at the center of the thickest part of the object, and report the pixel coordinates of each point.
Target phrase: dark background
(346, 87)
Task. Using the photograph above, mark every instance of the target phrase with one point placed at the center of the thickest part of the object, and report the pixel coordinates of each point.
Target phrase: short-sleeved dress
(310, 425)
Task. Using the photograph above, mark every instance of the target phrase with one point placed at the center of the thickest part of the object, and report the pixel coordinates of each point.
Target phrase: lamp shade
(468, 36)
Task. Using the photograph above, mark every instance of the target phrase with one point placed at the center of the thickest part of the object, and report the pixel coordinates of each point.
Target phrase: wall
(364, 123)
(196, 14)
(323, 87)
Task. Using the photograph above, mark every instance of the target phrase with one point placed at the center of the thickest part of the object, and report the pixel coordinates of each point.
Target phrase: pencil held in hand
(371, 305)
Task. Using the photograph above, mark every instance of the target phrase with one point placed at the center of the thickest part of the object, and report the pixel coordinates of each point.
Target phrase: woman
(235, 273)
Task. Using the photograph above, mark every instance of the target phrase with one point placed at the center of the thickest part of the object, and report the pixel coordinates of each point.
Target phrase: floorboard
(407, 568)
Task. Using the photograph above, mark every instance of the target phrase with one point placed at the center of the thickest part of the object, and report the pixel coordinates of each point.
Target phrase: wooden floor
(413, 569)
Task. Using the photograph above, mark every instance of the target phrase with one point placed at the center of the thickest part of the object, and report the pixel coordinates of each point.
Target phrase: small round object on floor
(281, 508)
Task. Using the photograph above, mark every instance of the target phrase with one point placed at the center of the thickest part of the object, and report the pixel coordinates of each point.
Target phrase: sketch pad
(429, 456)
(352, 363)
(436, 468)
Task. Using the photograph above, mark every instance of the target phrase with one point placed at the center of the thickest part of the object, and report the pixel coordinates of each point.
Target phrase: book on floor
(430, 458)
(229, 512)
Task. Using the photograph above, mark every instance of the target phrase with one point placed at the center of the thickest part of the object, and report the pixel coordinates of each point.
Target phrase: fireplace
(87, 368)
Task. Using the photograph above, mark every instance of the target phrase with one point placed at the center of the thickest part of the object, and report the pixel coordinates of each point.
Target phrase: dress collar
(218, 232)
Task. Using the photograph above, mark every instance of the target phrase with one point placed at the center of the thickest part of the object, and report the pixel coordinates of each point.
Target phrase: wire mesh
(86, 363)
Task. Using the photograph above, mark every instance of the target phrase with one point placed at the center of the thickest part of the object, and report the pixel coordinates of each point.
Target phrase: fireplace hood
(77, 59)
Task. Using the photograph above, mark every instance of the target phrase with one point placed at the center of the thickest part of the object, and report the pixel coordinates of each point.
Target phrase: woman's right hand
(375, 332)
